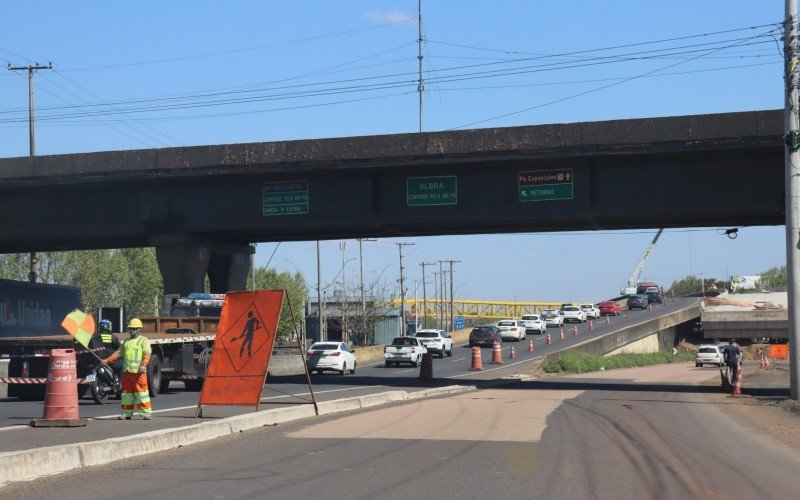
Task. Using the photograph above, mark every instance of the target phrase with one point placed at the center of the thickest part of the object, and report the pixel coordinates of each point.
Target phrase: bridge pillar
(183, 267)
(228, 270)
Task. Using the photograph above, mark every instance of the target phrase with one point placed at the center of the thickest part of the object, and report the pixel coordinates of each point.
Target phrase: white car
(574, 313)
(708, 354)
(404, 350)
(513, 329)
(437, 341)
(330, 356)
(534, 324)
(591, 311)
(552, 317)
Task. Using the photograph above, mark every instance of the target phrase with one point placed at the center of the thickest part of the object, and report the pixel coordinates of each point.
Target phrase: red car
(609, 308)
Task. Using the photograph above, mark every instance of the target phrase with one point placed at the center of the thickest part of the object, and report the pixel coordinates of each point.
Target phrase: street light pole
(361, 265)
(319, 296)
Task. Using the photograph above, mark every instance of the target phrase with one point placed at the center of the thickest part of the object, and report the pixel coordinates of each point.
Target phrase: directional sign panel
(427, 191)
(285, 198)
(545, 185)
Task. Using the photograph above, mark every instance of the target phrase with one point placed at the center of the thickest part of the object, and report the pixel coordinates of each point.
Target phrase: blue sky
(183, 62)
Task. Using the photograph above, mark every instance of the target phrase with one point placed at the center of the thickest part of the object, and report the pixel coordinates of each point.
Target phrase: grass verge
(582, 363)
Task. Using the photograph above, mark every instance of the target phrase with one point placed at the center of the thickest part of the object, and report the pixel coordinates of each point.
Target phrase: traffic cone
(61, 396)
(530, 347)
(497, 354)
(737, 387)
(763, 363)
(549, 340)
(591, 326)
(766, 362)
(608, 320)
(513, 354)
(561, 334)
(626, 313)
(649, 307)
(574, 331)
(477, 359)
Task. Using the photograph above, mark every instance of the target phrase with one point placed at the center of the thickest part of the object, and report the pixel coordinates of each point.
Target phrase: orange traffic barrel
(426, 371)
(497, 354)
(61, 396)
(477, 360)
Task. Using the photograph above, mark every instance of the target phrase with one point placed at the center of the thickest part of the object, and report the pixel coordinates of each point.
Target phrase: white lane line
(15, 427)
(496, 368)
(459, 359)
(403, 371)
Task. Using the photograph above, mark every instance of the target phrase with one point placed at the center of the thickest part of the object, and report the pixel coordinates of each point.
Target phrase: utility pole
(33, 275)
(420, 87)
(361, 265)
(342, 246)
(452, 315)
(319, 296)
(402, 288)
(792, 171)
(424, 292)
(441, 295)
(436, 291)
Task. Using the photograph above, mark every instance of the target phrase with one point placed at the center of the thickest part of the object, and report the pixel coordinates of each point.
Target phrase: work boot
(147, 417)
(122, 417)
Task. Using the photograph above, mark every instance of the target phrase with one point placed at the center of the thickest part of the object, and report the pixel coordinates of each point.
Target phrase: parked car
(534, 324)
(708, 354)
(330, 356)
(637, 302)
(484, 336)
(653, 297)
(552, 318)
(591, 310)
(512, 329)
(404, 350)
(436, 341)
(609, 308)
(574, 313)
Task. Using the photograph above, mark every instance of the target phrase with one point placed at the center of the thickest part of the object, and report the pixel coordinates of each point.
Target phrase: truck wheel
(154, 376)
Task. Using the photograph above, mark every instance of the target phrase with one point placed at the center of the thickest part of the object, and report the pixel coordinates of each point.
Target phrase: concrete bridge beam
(185, 265)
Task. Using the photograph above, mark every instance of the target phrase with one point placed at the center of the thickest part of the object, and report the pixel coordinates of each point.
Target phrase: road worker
(135, 354)
(104, 341)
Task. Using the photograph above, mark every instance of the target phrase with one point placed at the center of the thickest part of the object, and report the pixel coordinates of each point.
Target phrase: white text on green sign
(545, 185)
(427, 191)
(284, 198)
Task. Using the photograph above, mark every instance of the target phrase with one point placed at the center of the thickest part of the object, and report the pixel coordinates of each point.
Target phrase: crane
(630, 286)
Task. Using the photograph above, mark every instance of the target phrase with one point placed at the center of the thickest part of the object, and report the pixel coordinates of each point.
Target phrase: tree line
(771, 279)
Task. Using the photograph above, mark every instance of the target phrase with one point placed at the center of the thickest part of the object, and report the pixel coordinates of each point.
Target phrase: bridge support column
(228, 270)
(184, 266)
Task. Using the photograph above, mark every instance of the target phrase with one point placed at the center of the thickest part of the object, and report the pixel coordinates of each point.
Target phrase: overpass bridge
(201, 206)
(476, 309)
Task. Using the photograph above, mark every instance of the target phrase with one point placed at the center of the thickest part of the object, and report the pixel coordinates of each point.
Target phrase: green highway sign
(545, 185)
(285, 198)
(428, 191)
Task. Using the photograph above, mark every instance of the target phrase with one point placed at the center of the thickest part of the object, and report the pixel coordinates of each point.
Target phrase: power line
(597, 89)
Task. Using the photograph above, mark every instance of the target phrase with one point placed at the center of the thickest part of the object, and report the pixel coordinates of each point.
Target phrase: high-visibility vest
(132, 352)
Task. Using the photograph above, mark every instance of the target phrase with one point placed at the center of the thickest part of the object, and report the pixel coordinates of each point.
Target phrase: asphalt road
(176, 407)
(610, 436)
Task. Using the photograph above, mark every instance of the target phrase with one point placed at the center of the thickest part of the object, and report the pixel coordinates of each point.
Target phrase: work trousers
(134, 391)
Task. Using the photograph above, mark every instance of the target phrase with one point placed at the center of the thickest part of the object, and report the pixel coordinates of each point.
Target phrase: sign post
(545, 185)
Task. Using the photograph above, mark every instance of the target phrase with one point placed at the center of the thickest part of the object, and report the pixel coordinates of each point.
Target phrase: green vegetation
(582, 363)
(773, 278)
(295, 284)
(692, 284)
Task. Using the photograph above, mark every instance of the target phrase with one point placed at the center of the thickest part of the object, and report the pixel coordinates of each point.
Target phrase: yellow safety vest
(132, 352)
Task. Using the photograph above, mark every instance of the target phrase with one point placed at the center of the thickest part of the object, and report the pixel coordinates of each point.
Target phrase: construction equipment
(630, 286)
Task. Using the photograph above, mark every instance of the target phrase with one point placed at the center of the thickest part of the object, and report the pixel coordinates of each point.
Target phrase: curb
(27, 465)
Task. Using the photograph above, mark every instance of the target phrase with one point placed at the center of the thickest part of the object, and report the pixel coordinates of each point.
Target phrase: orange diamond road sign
(242, 348)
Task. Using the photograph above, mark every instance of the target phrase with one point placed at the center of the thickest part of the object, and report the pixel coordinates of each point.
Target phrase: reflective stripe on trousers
(134, 392)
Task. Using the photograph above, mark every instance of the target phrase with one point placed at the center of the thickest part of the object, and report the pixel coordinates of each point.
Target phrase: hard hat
(105, 325)
(135, 324)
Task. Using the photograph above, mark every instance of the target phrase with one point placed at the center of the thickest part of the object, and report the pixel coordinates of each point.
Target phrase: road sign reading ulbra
(545, 185)
(285, 198)
(426, 191)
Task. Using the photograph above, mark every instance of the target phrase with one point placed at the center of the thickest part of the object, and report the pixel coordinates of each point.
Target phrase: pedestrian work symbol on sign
(245, 337)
